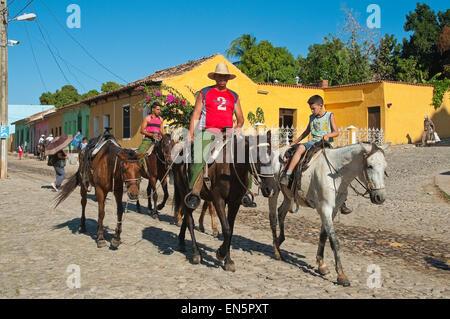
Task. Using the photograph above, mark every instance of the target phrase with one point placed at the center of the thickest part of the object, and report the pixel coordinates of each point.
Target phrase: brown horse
(112, 167)
(155, 168)
(229, 178)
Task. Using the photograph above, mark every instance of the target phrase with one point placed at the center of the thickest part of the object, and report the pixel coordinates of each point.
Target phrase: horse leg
(155, 200)
(219, 204)
(327, 223)
(83, 193)
(115, 242)
(202, 216)
(323, 269)
(149, 197)
(212, 212)
(101, 196)
(138, 206)
(282, 211)
(273, 223)
(181, 235)
(166, 195)
(232, 212)
(197, 257)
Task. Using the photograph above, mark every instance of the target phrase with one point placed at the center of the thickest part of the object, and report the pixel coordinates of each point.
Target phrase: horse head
(130, 171)
(164, 149)
(260, 158)
(374, 170)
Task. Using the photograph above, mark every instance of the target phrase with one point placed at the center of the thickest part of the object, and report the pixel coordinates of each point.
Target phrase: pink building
(38, 126)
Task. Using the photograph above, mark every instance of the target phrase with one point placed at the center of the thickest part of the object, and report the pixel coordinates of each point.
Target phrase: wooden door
(374, 117)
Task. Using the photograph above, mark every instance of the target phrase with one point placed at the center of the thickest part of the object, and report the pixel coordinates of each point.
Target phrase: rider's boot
(192, 199)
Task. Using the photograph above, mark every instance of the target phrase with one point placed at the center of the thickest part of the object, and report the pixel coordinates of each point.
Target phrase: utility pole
(3, 86)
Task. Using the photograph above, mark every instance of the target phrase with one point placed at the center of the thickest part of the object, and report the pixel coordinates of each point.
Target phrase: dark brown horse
(155, 168)
(112, 167)
(229, 180)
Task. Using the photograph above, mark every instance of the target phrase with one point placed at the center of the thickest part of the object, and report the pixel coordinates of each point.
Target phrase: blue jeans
(60, 176)
(309, 144)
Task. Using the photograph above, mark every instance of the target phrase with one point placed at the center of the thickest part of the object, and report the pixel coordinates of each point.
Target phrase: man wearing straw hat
(213, 113)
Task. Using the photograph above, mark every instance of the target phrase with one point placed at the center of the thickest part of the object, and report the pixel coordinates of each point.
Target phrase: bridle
(127, 182)
(253, 170)
(370, 187)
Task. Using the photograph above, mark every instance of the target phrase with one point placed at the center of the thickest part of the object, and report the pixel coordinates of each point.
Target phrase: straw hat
(221, 68)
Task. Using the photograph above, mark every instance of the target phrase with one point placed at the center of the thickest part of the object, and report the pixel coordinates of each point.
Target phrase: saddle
(93, 147)
(305, 160)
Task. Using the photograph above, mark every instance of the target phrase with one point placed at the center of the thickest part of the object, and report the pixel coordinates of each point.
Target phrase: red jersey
(218, 108)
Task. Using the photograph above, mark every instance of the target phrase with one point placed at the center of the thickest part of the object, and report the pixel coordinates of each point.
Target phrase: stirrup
(248, 201)
(192, 201)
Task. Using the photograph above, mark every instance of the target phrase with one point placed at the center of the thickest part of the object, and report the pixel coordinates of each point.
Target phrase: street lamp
(4, 78)
(12, 43)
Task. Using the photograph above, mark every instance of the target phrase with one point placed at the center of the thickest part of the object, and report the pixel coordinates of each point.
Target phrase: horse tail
(67, 188)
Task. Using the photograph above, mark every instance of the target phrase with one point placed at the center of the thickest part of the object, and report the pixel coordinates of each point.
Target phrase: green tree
(110, 86)
(89, 94)
(67, 95)
(47, 98)
(426, 27)
(239, 46)
(266, 63)
(385, 59)
(329, 61)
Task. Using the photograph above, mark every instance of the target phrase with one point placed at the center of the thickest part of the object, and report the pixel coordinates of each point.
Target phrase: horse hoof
(115, 242)
(215, 233)
(178, 223)
(160, 207)
(323, 270)
(343, 280)
(229, 266)
(218, 256)
(155, 216)
(201, 228)
(182, 248)
(196, 259)
(101, 243)
(82, 230)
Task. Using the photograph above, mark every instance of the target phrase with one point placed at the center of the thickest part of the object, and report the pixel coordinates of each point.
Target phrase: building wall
(404, 118)
(70, 120)
(350, 104)
(55, 122)
(441, 117)
(113, 107)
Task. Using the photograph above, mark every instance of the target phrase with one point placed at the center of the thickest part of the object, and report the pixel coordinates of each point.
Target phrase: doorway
(374, 117)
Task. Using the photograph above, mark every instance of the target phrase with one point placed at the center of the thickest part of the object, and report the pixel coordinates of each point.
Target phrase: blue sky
(135, 38)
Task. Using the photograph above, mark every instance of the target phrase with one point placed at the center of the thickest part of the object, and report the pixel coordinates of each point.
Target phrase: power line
(67, 62)
(34, 56)
(63, 60)
(30, 2)
(82, 47)
(51, 52)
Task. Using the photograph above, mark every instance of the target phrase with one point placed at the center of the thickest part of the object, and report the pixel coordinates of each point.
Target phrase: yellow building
(397, 108)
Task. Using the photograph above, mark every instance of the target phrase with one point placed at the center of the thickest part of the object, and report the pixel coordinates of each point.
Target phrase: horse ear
(386, 146)
(140, 156)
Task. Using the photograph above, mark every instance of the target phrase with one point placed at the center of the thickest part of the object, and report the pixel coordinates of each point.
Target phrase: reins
(369, 187)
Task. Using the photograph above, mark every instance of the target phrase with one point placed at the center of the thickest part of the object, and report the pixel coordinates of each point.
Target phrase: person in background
(59, 163)
(84, 143)
(20, 149)
(428, 131)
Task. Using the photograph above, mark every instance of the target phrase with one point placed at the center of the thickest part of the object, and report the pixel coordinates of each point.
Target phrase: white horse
(324, 186)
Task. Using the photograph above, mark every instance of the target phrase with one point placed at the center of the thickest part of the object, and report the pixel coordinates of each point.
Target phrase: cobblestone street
(406, 237)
